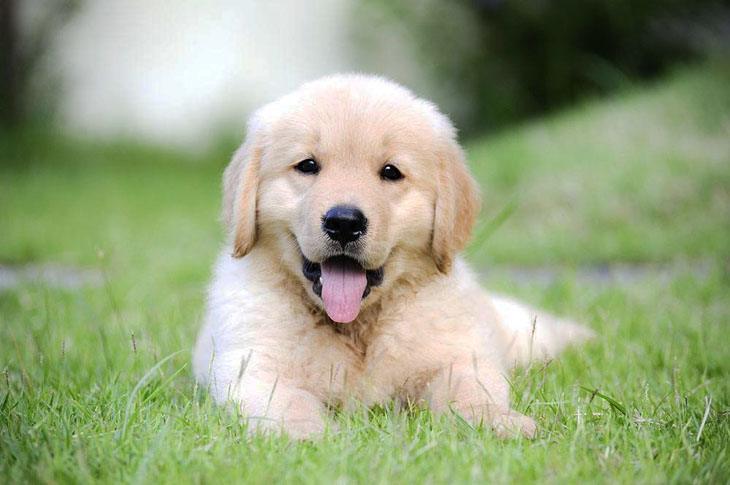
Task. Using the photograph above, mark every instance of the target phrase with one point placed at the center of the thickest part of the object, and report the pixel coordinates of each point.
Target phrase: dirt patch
(597, 275)
(54, 275)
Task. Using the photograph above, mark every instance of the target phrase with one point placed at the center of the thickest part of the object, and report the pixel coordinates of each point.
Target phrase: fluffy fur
(427, 334)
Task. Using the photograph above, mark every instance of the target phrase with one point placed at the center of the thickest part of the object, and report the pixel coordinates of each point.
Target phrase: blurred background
(187, 73)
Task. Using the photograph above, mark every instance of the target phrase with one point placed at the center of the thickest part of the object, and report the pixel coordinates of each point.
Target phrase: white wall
(175, 71)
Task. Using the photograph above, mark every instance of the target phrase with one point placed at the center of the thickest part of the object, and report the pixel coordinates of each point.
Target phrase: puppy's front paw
(511, 424)
(304, 429)
(285, 410)
(298, 429)
(505, 422)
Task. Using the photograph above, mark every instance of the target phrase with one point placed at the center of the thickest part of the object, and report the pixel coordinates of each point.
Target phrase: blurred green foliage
(512, 59)
(28, 90)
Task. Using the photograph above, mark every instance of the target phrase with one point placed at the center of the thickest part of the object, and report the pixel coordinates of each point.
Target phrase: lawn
(616, 212)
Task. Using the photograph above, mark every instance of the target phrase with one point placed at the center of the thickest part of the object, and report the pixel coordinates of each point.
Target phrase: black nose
(344, 223)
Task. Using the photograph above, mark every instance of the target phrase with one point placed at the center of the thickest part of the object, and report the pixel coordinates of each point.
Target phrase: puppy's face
(353, 182)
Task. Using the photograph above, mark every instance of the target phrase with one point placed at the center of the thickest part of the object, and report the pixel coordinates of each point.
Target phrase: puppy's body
(426, 332)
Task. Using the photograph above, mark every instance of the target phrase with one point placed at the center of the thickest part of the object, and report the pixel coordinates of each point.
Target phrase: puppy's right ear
(456, 208)
(240, 188)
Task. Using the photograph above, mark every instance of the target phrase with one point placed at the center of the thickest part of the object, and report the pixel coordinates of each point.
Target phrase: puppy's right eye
(308, 166)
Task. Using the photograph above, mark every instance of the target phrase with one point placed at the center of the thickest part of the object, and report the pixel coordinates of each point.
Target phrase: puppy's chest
(377, 366)
(357, 337)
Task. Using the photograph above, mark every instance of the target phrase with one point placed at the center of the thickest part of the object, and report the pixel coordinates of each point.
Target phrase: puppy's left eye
(307, 166)
(390, 172)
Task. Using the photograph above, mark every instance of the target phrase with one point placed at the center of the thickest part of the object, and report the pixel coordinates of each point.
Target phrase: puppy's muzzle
(344, 224)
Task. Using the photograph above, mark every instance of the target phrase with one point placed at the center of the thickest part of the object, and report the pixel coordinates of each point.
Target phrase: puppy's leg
(480, 394)
(271, 405)
(267, 402)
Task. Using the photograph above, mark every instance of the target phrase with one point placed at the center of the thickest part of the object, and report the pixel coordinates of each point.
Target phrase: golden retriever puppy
(347, 206)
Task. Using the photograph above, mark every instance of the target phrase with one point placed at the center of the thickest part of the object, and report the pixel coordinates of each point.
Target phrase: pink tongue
(343, 284)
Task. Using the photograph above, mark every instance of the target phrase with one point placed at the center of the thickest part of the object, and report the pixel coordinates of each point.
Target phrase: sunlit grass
(645, 177)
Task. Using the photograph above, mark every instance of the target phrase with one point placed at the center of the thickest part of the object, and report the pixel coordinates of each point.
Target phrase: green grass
(643, 178)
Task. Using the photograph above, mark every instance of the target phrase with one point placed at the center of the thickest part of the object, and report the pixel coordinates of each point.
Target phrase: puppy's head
(353, 182)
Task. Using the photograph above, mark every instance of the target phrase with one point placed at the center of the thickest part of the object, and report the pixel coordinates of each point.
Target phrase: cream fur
(428, 334)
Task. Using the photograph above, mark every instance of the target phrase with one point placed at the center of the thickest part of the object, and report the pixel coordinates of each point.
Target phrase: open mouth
(342, 283)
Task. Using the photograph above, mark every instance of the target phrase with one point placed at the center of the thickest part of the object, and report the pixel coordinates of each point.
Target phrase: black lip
(313, 271)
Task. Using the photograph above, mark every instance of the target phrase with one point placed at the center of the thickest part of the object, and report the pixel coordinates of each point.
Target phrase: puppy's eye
(307, 166)
(390, 172)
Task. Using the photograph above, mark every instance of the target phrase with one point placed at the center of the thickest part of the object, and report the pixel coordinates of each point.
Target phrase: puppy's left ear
(240, 190)
(457, 206)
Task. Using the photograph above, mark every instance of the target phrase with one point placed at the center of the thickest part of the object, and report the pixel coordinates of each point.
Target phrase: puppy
(340, 283)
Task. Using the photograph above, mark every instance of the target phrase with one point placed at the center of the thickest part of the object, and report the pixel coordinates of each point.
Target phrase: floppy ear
(457, 206)
(240, 187)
